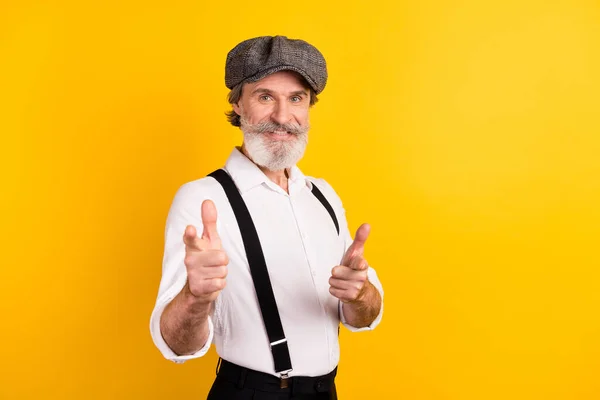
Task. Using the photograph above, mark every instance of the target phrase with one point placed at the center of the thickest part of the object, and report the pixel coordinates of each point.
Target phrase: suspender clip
(284, 379)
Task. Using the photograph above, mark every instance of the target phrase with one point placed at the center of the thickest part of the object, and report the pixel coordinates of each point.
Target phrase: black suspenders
(259, 271)
(323, 200)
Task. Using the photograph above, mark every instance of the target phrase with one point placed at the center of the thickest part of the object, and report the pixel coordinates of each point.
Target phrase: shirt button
(304, 236)
(314, 272)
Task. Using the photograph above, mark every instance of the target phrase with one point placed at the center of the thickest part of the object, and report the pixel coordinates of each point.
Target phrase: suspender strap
(323, 200)
(258, 268)
(259, 272)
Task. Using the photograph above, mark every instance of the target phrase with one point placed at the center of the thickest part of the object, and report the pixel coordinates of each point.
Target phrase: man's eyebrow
(265, 90)
(260, 90)
(298, 92)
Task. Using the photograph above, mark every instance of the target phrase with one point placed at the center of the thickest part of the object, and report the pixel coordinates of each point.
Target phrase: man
(258, 257)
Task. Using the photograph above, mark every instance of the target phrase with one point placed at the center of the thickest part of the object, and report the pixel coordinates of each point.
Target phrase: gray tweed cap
(253, 59)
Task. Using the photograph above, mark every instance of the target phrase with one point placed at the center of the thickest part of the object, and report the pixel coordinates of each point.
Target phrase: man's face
(274, 119)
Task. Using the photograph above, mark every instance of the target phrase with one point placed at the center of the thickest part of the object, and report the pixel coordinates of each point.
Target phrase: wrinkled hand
(205, 260)
(348, 280)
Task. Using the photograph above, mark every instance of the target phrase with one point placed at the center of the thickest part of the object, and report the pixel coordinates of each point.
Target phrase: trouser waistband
(248, 378)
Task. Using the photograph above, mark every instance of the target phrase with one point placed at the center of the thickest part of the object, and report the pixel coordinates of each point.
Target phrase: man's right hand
(205, 260)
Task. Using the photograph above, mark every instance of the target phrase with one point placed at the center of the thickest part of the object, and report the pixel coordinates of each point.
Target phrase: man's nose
(281, 113)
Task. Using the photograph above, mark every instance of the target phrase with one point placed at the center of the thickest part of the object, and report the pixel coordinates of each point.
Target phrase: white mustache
(269, 126)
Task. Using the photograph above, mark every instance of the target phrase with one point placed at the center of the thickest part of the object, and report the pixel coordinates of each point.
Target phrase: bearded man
(258, 258)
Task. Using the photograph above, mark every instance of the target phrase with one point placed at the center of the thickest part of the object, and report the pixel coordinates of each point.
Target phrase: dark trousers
(237, 383)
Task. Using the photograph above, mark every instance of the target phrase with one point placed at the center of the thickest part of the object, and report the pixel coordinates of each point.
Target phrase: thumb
(209, 220)
(357, 247)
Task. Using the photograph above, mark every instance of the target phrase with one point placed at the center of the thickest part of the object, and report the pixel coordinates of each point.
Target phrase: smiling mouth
(281, 135)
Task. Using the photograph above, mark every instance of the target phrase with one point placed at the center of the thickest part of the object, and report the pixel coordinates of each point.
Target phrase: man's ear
(237, 108)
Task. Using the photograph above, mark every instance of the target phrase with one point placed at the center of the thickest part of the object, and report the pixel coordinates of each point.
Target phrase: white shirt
(300, 245)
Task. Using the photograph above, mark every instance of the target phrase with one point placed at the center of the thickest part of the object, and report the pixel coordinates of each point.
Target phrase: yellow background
(466, 132)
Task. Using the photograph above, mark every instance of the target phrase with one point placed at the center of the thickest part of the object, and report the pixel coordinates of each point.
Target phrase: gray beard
(274, 155)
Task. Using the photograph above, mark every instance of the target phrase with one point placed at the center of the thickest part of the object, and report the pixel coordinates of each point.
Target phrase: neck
(279, 177)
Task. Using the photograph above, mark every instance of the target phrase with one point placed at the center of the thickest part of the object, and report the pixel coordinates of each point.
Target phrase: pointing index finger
(209, 220)
(357, 247)
(362, 233)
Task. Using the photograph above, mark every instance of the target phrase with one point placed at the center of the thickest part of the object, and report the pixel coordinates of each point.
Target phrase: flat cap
(253, 59)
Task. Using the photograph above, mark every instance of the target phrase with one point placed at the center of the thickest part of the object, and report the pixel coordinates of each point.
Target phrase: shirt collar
(247, 175)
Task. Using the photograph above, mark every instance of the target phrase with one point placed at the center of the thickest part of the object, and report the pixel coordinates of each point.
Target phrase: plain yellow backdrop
(466, 132)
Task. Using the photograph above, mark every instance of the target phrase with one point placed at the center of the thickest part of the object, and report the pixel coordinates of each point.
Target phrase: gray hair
(236, 94)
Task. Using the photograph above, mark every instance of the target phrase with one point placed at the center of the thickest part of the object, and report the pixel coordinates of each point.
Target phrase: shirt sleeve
(340, 212)
(185, 210)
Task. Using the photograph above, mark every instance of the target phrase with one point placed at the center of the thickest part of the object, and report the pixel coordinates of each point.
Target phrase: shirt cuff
(164, 348)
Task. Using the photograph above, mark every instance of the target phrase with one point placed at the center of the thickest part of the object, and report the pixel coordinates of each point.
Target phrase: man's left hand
(348, 281)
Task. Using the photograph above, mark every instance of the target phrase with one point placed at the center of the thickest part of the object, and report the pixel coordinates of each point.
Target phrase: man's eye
(296, 99)
(265, 97)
